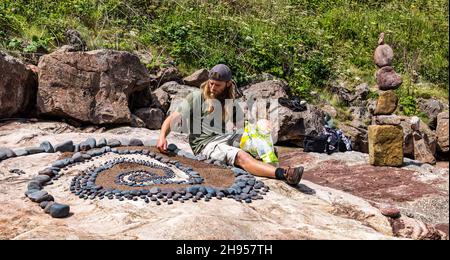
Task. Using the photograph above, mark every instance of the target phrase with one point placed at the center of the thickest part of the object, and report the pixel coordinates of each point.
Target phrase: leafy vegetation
(307, 42)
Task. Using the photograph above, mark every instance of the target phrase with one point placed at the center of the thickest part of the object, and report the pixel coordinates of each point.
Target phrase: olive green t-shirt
(202, 127)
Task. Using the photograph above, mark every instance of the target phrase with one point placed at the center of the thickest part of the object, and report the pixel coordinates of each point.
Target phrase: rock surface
(442, 131)
(91, 87)
(196, 78)
(427, 134)
(152, 117)
(422, 152)
(288, 126)
(18, 86)
(431, 107)
(308, 211)
(267, 89)
(176, 93)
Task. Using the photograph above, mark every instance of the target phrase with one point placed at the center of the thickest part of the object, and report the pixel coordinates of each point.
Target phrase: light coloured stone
(386, 120)
(386, 103)
(385, 145)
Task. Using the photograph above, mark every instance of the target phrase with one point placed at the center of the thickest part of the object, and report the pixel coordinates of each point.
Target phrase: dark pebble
(38, 196)
(136, 142)
(34, 185)
(58, 210)
(47, 207)
(43, 204)
(64, 147)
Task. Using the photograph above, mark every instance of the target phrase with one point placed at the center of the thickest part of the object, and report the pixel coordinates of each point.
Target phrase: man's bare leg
(253, 166)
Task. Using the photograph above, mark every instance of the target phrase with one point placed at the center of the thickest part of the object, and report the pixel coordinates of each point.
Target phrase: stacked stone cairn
(386, 133)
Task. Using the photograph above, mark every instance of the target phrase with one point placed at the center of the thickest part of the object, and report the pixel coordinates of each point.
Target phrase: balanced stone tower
(386, 133)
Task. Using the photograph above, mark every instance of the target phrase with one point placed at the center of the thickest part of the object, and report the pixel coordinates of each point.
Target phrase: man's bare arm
(165, 130)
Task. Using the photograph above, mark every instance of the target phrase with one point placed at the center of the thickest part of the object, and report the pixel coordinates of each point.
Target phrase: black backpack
(329, 142)
(315, 144)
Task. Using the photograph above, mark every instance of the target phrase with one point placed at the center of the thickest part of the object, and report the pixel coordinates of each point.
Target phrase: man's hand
(162, 144)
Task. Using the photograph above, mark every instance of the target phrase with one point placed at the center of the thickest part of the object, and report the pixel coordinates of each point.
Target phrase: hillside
(311, 44)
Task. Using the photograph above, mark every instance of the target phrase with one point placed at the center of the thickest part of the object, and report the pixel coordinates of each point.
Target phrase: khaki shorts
(220, 150)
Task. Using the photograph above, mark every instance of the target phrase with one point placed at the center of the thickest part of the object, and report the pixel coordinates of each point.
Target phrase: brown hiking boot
(293, 175)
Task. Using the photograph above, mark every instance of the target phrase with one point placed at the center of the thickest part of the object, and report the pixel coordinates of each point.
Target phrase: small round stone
(58, 210)
(390, 211)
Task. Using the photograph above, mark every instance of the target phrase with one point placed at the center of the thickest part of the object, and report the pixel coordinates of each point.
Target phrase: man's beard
(220, 96)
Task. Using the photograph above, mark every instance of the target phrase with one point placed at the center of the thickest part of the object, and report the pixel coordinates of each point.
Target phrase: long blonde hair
(229, 93)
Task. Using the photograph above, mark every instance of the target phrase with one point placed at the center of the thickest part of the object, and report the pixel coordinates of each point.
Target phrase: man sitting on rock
(212, 142)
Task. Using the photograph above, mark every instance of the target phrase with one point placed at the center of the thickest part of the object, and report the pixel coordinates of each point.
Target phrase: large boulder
(91, 87)
(348, 96)
(152, 117)
(428, 136)
(357, 131)
(431, 107)
(385, 145)
(167, 74)
(197, 78)
(176, 93)
(422, 152)
(292, 127)
(288, 126)
(442, 132)
(141, 99)
(160, 99)
(272, 89)
(18, 86)
(137, 122)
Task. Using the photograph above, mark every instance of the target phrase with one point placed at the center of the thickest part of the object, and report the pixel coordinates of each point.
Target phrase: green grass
(307, 42)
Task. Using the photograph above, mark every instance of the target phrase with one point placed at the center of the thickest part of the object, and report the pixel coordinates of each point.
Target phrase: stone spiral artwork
(129, 173)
